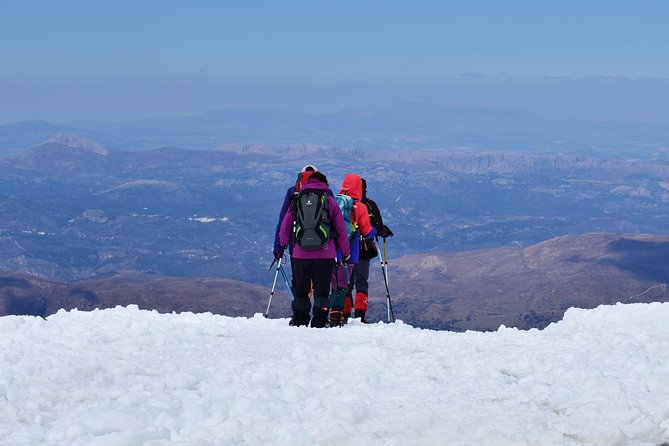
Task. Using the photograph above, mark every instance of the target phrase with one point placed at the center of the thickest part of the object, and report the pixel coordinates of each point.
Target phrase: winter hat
(309, 167)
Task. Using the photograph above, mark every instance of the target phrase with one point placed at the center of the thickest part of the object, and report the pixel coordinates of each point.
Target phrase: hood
(352, 186)
(313, 183)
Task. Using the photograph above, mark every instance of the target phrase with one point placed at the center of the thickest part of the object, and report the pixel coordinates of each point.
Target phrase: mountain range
(393, 127)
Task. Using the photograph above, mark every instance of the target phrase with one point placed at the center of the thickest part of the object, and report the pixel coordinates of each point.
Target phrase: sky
(125, 376)
(122, 59)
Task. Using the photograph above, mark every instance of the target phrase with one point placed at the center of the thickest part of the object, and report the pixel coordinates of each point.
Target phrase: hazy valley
(82, 215)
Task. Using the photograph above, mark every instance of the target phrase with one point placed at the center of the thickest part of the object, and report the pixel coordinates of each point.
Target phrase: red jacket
(352, 186)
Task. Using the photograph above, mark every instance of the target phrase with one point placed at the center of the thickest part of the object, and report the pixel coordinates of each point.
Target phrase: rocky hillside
(478, 290)
(530, 287)
(24, 294)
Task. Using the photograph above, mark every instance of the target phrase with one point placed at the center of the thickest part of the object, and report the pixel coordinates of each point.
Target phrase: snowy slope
(130, 377)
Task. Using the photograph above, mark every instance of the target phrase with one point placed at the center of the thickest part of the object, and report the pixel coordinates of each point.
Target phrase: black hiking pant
(306, 272)
(361, 275)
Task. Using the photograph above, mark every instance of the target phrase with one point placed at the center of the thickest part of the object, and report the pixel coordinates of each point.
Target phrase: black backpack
(368, 248)
(373, 218)
(312, 221)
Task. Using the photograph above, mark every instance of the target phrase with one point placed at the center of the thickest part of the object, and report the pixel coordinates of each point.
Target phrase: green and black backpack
(311, 229)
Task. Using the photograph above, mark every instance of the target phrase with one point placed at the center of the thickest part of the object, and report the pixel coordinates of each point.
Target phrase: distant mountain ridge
(396, 127)
(533, 286)
(27, 294)
(75, 142)
(481, 163)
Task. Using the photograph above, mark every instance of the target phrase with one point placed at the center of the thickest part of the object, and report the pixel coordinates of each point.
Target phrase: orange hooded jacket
(352, 186)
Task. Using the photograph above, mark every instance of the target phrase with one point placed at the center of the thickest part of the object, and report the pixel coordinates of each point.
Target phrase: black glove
(278, 254)
(345, 260)
(384, 232)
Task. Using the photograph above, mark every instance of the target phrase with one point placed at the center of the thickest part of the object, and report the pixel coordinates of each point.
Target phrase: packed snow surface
(125, 376)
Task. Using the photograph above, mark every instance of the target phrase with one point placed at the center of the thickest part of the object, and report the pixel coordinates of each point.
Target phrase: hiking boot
(299, 319)
(320, 318)
(361, 314)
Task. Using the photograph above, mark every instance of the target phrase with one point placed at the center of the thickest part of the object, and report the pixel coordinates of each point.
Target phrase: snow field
(124, 376)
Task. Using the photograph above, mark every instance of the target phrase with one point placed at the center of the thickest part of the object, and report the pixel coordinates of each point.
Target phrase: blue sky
(116, 60)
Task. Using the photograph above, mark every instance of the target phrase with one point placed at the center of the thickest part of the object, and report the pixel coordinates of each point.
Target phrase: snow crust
(125, 376)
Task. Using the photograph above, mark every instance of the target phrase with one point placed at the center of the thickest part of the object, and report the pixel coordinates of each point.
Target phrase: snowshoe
(336, 318)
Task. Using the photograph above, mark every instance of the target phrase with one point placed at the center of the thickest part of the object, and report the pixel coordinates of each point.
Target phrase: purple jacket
(337, 229)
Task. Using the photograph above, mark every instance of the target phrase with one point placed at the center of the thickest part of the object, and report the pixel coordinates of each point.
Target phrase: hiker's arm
(286, 228)
(376, 212)
(278, 247)
(382, 230)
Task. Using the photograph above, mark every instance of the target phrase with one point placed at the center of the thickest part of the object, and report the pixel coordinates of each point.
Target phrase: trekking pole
(276, 275)
(384, 270)
(285, 280)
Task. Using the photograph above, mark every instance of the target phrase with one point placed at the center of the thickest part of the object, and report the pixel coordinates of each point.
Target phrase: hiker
(313, 262)
(291, 195)
(361, 228)
(367, 252)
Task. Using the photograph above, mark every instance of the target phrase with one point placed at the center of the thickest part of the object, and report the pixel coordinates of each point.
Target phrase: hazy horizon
(122, 60)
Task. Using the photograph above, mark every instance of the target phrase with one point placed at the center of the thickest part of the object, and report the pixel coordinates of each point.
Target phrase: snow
(209, 219)
(125, 376)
